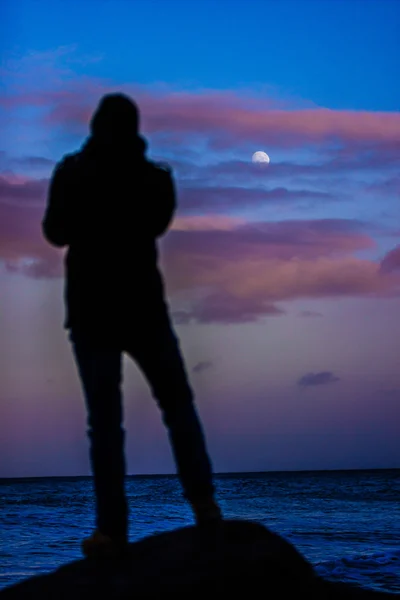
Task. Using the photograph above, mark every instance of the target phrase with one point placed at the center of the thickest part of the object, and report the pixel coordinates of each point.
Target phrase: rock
(239, 559)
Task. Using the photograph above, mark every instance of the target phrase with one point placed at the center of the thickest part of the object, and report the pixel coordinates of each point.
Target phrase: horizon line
(216, 474)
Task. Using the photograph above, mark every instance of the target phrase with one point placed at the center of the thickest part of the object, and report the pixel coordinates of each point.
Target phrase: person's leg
(158, 355)
(100, 371)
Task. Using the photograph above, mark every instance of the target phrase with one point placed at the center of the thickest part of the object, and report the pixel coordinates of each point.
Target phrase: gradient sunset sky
(283, 281)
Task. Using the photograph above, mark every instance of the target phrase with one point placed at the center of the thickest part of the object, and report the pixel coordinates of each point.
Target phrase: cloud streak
(314, 379)
(228, 118)
(202, 366)
(218, 199)
(225, 119)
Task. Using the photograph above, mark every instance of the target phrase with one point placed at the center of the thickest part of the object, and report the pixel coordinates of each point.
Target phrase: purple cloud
(391, 261)
(217, 199)
(321, 378)
(202, 366)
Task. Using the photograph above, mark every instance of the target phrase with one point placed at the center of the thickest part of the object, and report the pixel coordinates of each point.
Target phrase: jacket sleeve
(57, 220)
(165, 195)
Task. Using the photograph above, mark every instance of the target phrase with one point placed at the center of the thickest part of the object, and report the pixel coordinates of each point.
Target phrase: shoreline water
(346, 523)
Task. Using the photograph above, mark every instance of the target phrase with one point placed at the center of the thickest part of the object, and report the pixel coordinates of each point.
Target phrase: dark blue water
(346, 523)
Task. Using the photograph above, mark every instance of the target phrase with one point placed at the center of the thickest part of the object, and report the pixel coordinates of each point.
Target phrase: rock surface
(242, 559)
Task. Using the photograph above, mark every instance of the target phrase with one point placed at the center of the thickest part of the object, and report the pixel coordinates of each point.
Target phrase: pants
(99, 363)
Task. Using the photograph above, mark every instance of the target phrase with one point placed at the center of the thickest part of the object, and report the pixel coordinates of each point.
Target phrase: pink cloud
(224, 307)
(206, 223)
(248, 291)
(278, 279)
(284, 240)
(225, 112)
(228, 119)
(241, 272)
(16, 188)
(22, 246)
(47, 79)
(224, 117)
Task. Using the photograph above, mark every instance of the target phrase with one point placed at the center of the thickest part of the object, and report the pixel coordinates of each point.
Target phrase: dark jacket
(108, 203)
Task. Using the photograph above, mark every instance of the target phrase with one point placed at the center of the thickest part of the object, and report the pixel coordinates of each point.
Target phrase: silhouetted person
(108, 203)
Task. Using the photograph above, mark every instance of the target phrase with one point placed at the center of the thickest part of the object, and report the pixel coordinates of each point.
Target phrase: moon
(260, 157)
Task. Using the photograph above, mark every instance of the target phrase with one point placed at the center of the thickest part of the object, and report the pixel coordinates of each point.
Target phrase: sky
(283, 280)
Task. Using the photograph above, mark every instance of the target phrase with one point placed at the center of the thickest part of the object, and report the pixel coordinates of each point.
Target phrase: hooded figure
(108, 204)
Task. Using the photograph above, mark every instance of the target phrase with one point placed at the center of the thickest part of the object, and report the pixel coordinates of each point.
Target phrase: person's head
(116, 117)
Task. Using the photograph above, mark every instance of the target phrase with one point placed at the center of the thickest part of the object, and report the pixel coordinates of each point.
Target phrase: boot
(206, 512)
(100, 544)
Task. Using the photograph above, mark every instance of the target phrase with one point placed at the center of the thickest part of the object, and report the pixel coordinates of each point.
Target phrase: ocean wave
(380, 570)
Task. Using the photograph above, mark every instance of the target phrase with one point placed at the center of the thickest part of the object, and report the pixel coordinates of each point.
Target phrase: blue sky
(339, 53)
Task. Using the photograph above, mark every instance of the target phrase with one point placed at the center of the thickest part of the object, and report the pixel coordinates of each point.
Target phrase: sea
(346, 523)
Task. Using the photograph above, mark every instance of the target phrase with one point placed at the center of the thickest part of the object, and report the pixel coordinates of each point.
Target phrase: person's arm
(57, 220)
(166, 200)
